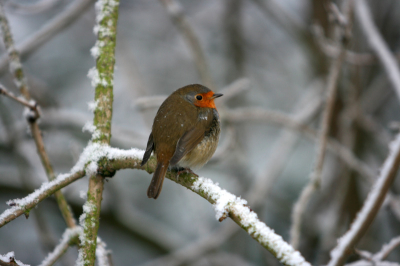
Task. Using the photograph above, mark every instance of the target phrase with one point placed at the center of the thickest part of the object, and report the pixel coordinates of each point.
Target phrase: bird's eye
(199, 97)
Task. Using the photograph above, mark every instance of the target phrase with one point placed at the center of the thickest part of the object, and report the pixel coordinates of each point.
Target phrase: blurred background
(271, 59)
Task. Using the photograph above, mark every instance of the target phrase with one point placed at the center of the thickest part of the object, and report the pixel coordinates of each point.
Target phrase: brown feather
(157, 181)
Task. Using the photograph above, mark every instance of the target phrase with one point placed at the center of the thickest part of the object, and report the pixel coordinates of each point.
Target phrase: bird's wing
(149, 149)
(191, 138)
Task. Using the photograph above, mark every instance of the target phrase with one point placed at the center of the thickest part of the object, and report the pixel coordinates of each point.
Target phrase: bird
(184, 134)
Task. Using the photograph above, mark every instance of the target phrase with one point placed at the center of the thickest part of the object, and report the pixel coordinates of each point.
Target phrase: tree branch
(70, 237)
(9, 260)
(371, 206)
(315, 176)
(378, 45)
(103, 80)
(102, 158)
(175, 11)
(49, 30)
(21, 83)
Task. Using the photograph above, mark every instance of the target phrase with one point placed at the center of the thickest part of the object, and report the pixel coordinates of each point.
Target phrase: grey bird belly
(203, 152)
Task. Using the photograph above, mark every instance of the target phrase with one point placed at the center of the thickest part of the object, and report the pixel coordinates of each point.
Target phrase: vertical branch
(33, 114)
(178, 17)
(315, 178)
(103, 80)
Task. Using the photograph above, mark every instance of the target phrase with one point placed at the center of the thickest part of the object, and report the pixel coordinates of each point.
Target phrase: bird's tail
(155, 187)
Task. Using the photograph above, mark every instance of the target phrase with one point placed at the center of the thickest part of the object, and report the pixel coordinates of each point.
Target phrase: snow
(226, 203)
(9, 257)
(102, 253)
(93, 105)
(68, 235)
(345, 241)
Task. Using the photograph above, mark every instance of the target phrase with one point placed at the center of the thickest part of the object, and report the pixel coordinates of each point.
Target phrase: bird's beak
(216, 95)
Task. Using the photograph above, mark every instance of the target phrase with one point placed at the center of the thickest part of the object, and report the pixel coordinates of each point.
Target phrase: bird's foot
(185, 171)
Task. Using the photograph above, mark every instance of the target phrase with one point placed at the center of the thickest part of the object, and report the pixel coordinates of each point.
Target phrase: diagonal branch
(69, 238)
(371, 206)
(379, 46)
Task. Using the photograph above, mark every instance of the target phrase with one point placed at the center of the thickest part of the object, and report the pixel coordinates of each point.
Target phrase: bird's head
(200, 96)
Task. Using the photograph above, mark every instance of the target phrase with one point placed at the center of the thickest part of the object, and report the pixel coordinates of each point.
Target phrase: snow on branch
(9, 260)
(87, 164)
(68, 237)
(103, 255)
(24, 205)
(227, 204)
(371, 206)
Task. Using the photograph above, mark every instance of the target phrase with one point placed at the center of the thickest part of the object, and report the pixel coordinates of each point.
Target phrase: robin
(185, 133)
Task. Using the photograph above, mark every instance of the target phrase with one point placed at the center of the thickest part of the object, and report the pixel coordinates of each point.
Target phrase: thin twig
(31, 104)
(175, 11)
(378, 44)
(371, 206)
(387, 249)
(315, 177)
(69, 238)
(257, 114)
(102, 77)
(49, 30)
(20, 81)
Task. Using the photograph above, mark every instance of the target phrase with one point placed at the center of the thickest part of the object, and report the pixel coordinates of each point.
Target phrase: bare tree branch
(387, 249)
(315, 177)
(49, 30)
(175, 11)
(378, 45)
(21, 83)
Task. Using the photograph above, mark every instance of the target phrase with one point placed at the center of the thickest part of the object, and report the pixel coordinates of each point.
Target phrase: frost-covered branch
(387, 249)
(378, 44)
(24, 205)
(175, 11)
(228, 205)
(69, 238)
(9, 260)
(104, 159)
(32, 114)
(49, 30)
(102, 77)
(371, 206)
